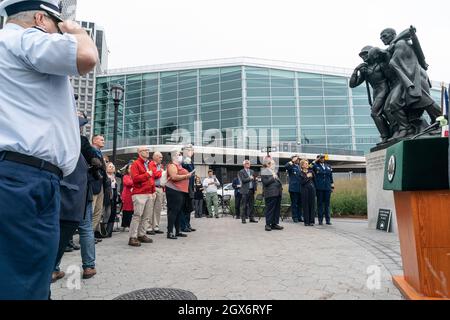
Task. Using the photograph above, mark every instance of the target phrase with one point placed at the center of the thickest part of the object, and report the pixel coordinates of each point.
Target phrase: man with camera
(39, 138)
(99, 180)
(212, 198)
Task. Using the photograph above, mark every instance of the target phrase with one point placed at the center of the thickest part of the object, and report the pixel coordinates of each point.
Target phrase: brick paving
(227, 260)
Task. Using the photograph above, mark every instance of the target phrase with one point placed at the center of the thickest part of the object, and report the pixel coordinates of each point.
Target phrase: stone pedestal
(377, 198)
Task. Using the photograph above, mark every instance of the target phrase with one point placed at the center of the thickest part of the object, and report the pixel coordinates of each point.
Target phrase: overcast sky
(325, 32)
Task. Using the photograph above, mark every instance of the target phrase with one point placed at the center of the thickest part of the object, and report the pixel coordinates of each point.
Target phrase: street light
(268, 150)
(117, 92)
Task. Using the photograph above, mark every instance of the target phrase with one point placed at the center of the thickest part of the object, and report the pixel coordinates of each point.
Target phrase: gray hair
(267, 163)
(25, 16)
(174, 153)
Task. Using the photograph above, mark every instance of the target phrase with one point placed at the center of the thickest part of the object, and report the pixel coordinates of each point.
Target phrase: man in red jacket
(157, 168)
(143, 198)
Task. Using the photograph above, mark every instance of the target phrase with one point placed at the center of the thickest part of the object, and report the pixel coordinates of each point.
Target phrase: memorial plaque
(384, 220)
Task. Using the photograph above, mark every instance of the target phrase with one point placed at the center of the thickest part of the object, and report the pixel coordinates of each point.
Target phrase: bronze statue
(400, 84)
(373, 72)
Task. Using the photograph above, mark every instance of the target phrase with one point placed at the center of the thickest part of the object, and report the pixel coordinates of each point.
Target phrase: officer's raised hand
(71, 27)
(87, 53)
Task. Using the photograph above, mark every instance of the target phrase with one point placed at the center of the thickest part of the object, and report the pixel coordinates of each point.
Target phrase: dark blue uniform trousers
(29, 231)
(296, 206)
(323, 205)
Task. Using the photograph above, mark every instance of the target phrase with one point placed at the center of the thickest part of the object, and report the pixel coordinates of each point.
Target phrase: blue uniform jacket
(74, 193)
(294, 177)
(324, 177)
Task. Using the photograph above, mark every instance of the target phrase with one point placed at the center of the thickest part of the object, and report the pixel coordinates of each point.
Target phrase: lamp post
(117, 92)
(268, 150)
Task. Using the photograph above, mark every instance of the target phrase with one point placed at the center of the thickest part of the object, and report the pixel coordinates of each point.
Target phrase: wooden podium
(417, 172)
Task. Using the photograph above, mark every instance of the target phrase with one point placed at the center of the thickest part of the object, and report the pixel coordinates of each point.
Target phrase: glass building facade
(316, 110)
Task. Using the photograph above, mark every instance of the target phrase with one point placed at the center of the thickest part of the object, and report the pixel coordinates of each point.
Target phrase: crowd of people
(55, 182)
(310, 189)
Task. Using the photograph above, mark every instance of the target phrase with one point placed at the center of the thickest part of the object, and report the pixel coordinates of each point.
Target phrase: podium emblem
(392, 168)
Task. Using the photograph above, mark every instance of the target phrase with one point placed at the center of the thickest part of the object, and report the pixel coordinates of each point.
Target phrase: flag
(446, 102)
(445, 109)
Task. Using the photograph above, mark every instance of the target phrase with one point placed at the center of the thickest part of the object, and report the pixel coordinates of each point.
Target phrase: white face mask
(180, 159)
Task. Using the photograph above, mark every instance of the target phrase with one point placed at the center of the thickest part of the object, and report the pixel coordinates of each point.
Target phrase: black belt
(31, 161)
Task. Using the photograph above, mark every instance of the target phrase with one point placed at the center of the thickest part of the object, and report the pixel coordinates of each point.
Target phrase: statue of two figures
(400, 85)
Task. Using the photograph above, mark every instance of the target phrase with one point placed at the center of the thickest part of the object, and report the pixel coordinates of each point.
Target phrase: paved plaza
(227, 260)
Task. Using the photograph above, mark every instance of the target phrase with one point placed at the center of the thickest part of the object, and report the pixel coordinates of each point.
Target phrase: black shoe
(98, 235)
(301, 221)
(253, 221)
(159, 232)
(277, 227)
(98, 241)
(296, 221)
(320, 223)
(244, 222)
(238, 217)
(192, 230)
(186, 231)
(329, 224)
(151, 233)
(171, 236)
(74, 246)
(181, 235)
(268, 228)
(68, 249)
(307, 225)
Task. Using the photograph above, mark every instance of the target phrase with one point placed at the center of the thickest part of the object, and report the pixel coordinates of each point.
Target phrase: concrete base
(377, 198)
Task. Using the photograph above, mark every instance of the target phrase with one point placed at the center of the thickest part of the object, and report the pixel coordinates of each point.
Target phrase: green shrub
(348, 199)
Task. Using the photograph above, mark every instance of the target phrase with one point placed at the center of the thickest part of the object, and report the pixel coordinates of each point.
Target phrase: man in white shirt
(39, 138)
(212, 199)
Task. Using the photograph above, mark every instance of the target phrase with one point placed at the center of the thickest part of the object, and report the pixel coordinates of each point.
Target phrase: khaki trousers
(153, 224)
(97, 205)
(143, 211)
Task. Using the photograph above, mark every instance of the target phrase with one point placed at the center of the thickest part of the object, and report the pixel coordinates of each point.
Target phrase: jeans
(29, 231)
(87, 239)
(198, 205)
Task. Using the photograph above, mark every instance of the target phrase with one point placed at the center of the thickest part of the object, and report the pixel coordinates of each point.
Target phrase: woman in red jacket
(127, 201)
